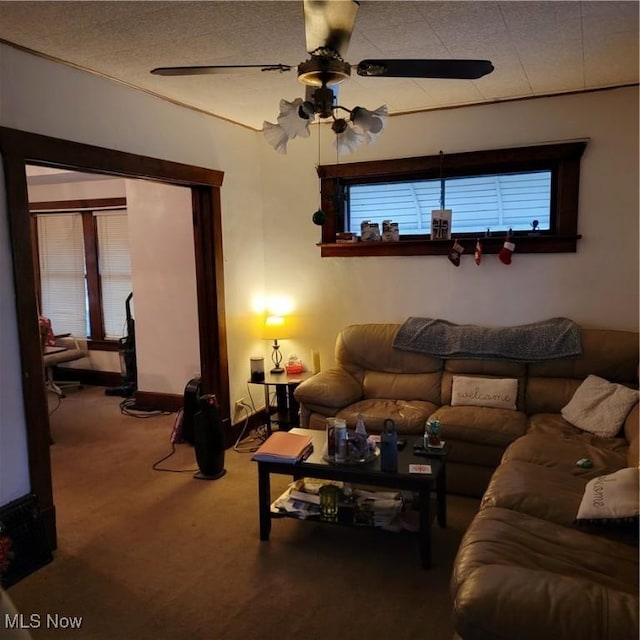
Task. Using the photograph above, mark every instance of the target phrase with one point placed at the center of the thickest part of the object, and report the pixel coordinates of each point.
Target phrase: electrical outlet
(240, 404)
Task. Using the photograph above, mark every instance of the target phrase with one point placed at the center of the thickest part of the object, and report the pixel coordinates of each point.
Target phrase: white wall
(597, 286)
(14, 471)
(89, 109)
(164, 285)
(269, 239)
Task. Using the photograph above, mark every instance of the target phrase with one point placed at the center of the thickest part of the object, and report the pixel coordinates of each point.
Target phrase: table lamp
(275, 328)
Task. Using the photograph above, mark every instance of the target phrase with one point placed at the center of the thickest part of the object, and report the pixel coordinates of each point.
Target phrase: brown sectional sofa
(373, 378)
(525, 569)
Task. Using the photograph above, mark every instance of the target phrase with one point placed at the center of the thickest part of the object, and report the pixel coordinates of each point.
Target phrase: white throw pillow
(611, 498)
(500, 393)
(600, 406)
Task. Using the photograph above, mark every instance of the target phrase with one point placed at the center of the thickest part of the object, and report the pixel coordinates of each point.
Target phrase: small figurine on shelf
(534, 228)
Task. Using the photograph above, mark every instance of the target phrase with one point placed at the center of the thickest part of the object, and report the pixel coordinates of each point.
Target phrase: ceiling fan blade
(461, 69)
(328, 25)
(218, 69)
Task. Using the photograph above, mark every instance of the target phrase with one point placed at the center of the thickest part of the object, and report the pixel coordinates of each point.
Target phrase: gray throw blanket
(553, 338)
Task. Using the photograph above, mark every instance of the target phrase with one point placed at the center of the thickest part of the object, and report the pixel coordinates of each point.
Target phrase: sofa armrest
(499, 602)
(335, 388)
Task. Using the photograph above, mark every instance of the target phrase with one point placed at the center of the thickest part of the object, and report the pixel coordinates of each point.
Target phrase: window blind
(115, 269)
(62, 273)
(496, 202)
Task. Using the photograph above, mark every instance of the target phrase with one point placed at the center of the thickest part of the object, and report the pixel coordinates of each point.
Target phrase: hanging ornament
(478, 252)
(456, 251)
(319, 217)
(507, 251)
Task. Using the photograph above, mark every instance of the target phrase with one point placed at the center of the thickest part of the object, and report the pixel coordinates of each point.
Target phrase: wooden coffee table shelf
(424, 485)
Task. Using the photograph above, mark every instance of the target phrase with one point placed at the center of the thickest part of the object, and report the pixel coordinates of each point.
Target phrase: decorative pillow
(611, 499)
(599, 406)
(484, 392)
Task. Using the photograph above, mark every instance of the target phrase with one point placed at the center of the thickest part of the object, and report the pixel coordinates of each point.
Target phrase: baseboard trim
(159, 401)
(90, 377)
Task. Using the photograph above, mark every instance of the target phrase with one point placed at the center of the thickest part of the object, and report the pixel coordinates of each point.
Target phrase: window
(84, 267)
(498, 202)
(494, 190)
(62, 272)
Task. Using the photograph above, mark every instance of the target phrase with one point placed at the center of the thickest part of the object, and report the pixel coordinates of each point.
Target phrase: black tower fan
(208, 439)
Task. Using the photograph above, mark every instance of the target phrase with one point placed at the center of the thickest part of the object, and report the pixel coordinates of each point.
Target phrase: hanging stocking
(478, 253)
(456, 251)
(506, 252)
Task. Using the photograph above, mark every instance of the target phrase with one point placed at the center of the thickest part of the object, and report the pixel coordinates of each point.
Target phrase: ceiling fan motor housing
(323, 70)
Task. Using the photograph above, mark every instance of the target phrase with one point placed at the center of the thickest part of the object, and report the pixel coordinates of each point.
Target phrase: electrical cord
(259, 437)
(59, 399)
(155, 466)
(128, 408)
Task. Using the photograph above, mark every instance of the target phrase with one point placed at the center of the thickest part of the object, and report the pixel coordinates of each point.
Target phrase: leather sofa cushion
(612, 355)
(370, 346)
(549, 395)
(486, 425)
(549, 494)
(517, 576)
(402, 386)
(409, 415)
(562, 453)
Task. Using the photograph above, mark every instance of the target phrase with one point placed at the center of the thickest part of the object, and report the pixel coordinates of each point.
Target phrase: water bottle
(389, 447)
(341, 440)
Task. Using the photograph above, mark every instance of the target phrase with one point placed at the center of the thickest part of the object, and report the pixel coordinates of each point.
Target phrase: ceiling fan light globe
(339, 126)
(276, 136)
(291, 121)
(348, 140)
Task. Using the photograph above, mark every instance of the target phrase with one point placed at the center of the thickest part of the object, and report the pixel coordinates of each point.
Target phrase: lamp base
(277, 370)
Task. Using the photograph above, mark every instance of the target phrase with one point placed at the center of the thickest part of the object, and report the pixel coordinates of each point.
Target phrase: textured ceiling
(537, 48)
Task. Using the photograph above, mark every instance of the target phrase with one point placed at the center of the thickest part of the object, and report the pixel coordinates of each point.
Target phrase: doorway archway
(19, 148)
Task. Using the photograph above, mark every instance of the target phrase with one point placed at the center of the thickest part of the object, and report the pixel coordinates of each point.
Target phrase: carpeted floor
(149, 555)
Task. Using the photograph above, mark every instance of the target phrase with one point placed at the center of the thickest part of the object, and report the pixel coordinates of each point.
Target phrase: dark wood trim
(492, 245)
(562, 159)
(91, 261)
(159, 401)
(103, 345)
(65, 154)
(207, 227)
(33, 383)
(74, 205)
(455, 164)
(90, 377)
(19, 148)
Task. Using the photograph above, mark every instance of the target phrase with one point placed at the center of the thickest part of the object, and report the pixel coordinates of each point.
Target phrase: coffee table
(315, 466)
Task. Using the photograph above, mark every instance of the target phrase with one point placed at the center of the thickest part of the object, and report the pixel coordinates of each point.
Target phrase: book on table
(284, 446)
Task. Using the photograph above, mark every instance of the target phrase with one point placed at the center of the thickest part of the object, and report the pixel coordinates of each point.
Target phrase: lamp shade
(275, 328)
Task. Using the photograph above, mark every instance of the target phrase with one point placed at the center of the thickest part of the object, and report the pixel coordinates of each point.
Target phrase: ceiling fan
(328, 28)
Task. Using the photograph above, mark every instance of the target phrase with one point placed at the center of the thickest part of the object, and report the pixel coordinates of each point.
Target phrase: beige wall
(269, 239)
(597, 286)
